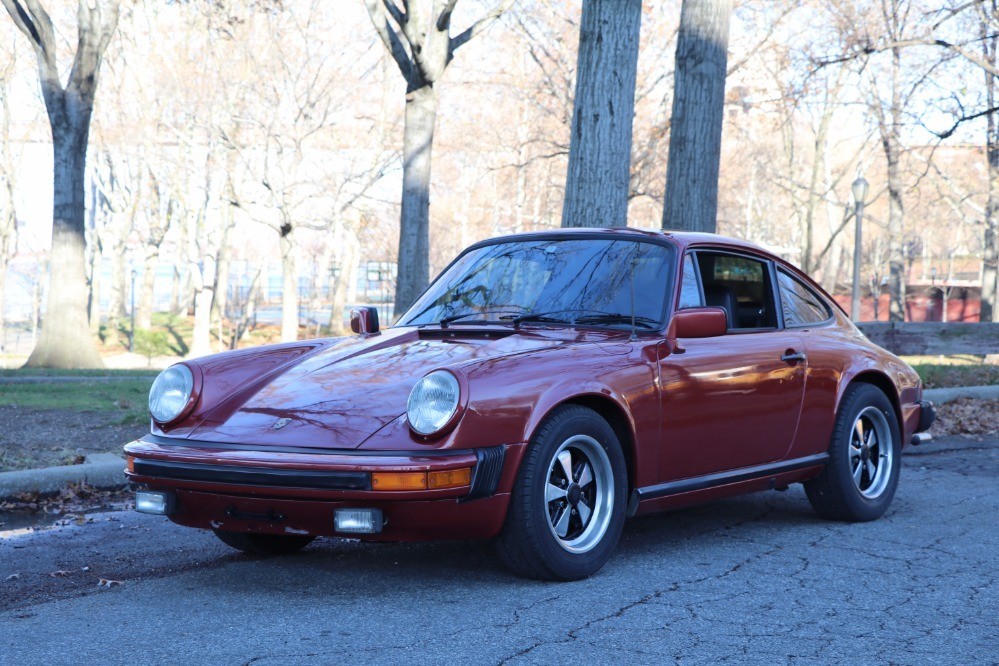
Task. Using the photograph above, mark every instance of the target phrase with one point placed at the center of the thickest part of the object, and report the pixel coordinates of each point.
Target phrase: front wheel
(264, 544)
(568, 503)
(859, 481)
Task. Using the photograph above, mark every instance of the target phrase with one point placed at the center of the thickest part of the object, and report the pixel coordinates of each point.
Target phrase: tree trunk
(94, 303)
(347, 260)
(990, 259)
(414, 228)
(896, 211)
(289, 292)
(144, 303)
(204, 296)
(698, 109)
(65, 341)
(598, 181)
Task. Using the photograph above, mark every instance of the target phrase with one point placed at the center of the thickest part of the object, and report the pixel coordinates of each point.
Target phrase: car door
(731, 401)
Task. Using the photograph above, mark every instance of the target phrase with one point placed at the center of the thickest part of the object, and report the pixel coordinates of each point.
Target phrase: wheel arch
(616, 417)
(882, 382)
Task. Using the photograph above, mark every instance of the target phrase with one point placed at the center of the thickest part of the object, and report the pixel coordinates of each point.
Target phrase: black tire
(835, 493)
(264, 544)
(529, 543)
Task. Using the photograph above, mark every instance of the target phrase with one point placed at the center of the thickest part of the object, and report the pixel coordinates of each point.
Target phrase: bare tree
(989, 30)
(597, 186)
(418, 37)
(8, 175)
(698, 106)
(66, 341)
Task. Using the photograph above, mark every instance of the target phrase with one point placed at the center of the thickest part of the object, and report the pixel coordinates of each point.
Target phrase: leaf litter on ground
(967, 416)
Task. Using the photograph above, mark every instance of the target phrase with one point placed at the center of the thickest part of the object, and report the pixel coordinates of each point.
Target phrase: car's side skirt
(728, 477)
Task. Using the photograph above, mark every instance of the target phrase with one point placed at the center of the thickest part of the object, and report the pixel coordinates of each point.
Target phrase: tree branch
(397, 14)
(389, 37)
(444, 19)
(95, 29)
(479, 26)
(23, 21)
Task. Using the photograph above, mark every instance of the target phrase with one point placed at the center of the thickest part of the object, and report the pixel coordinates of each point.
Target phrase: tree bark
(414, 232)
(147, 284)
(598, 180)
(891, 140)
(990, 259)
(65, 340)
(289, 292)
(691, 201)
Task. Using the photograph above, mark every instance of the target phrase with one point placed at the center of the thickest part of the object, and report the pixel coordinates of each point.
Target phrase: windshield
(589, 280)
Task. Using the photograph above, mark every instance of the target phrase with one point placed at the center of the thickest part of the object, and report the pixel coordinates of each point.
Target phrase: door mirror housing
(364, 321)
(706, 322)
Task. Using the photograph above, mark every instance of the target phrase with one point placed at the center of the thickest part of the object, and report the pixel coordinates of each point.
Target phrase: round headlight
(170, 393)
(433, 402)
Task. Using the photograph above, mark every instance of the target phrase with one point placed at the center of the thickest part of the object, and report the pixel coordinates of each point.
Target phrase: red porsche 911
(544, 388)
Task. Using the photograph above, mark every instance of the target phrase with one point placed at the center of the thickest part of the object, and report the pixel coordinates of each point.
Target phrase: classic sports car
(545, 387)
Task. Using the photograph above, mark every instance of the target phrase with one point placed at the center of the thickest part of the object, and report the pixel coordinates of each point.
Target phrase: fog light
(358, 521)
(154, 502)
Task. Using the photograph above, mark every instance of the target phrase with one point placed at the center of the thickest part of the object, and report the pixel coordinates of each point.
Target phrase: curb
(941, 395)
(102, 470)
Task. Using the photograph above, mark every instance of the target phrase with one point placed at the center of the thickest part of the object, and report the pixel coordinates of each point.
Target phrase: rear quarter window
(801, 305)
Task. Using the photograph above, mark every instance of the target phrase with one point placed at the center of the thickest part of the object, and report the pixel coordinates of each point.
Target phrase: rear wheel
(264, 544)
(568, 503)
(859, 481)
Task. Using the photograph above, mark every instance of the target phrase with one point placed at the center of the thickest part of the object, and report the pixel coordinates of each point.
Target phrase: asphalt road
(756, 579)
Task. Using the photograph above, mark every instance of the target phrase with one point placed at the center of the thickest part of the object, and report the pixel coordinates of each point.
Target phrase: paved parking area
(756, 579)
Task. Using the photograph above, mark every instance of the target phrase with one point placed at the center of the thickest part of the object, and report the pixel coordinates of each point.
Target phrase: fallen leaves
(73, 502)
(106, 582)
(62, 573)
(967, 416)
(12, 577)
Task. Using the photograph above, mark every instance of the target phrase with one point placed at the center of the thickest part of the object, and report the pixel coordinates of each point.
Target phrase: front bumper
(296, 490)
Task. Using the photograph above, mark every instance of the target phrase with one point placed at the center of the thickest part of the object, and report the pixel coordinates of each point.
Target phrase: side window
(690, 292)
(741, 286)
(802, 306)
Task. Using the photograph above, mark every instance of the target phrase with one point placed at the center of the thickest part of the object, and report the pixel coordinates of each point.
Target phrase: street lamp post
(131, 337)
(859, 188)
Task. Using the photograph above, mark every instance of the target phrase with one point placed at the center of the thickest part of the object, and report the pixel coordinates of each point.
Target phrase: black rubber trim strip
(927, 415)
(488, 469)
(311, 450)
(254, 476)
(731, 476)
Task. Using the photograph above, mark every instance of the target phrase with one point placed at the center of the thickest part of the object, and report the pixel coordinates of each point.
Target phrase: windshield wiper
(540, 317)
(447, 321)
(618, 318)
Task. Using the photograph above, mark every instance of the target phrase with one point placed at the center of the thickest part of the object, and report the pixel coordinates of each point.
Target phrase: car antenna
(634, 260)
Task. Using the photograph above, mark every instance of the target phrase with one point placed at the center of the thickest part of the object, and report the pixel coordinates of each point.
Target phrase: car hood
(340, 395)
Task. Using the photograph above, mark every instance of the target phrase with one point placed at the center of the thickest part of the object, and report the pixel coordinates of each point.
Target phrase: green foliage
(945, 375)
(150, 343)
(126, 398)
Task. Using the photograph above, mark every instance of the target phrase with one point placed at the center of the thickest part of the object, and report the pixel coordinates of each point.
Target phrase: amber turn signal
(399, 481)
(130, 463)
(452, 478)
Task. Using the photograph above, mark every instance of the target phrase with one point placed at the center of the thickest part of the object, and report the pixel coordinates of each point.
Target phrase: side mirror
(700, 323)
(364, 321)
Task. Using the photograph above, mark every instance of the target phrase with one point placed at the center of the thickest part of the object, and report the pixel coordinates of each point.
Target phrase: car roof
(681, 238)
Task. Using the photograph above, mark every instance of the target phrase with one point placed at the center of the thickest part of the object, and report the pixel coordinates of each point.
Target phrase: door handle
(793, 357)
